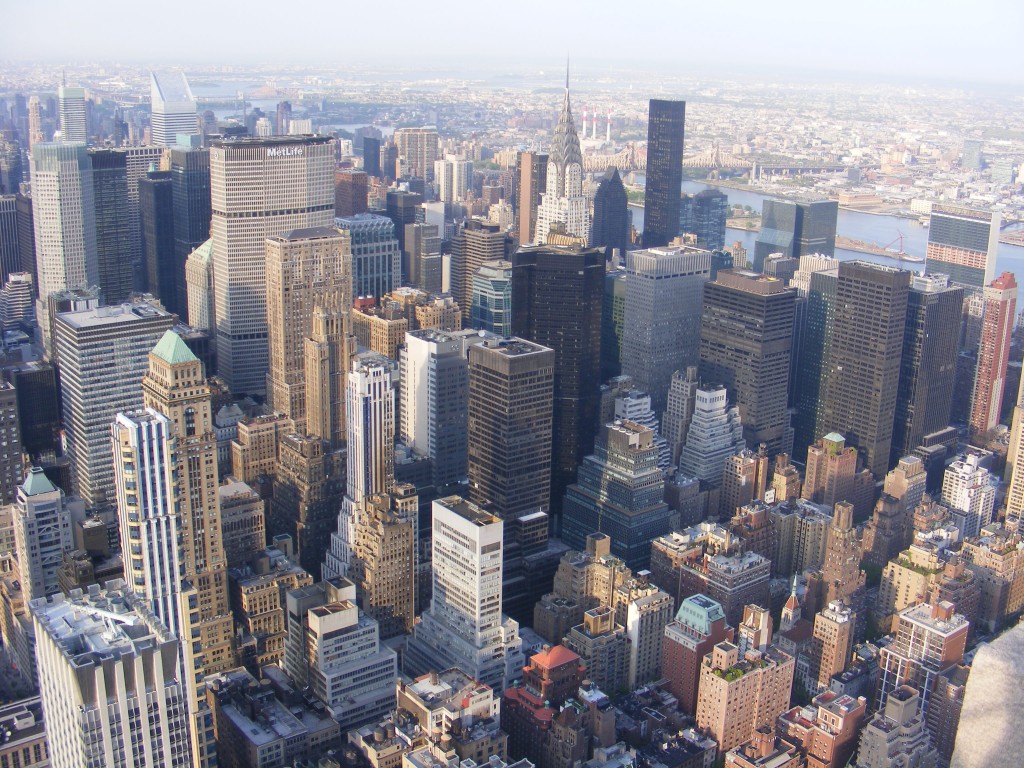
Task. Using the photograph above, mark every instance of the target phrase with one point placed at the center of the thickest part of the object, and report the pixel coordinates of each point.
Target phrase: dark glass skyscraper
(864, 353)
(371, 156)
(819, 317)
(746, 337)
(10, 256)
(928, 362)
(190, 185)
(611, 215)
(704, 215)
(557, 295)
(113, 224)
(796, 229)
(665, 124)
(163, 278)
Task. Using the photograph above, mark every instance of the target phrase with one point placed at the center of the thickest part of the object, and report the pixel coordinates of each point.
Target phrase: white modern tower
(464, 626)
(71, 109)
(173, 108)
(64, 217)
(370, 413)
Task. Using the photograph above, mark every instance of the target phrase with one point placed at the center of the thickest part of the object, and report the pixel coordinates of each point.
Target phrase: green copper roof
(173, 349)
(37, 483)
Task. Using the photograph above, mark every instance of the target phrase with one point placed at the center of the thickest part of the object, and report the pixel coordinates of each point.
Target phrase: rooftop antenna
(567, 71)
(64, 78)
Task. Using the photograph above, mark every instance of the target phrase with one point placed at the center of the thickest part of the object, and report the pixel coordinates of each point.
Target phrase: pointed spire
(567, 73)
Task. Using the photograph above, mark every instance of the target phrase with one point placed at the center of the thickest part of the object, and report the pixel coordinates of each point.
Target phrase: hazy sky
(976, 40)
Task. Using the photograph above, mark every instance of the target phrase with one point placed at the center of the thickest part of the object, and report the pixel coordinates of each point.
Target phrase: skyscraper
(563, 204)
(376, 254)
(662, 318)
(102, 655)
(928, 361)
(491, 301)
(103, 354)
(435, 402)
(746, 336)
(173, 108)
(475, 244)
(796, 229)
(370, 415)
(998, 320)
(175, 386)
(862, 379)
(327, 351)
(41, 520)
(464, 626)
(556, 302)
(64, 217)
(704, 215)
(510, 416)
(699, 625)
(962, 243)
(74, 126)
(665, 126)
(610, 229)
(10, 254)
(334, 649)
(260, 188)
(417, 149)
(531, 180)
(164, 278)
(620, 493)
(190, 185)
(306, 269)
(350, 193)
(812, 365)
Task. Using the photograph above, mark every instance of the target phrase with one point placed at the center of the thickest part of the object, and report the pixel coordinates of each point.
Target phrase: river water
(883, 230)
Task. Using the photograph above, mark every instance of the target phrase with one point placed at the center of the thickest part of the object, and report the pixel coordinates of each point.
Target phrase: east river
(882, 230)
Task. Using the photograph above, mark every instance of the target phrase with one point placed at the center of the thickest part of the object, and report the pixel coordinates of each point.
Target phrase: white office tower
(199, 287)
(715, 433)
(173, 108)
(104, 353)
(334, 649)
(64, 218)
(148, 504)
(435, 401)
(42, 531)
(260, 188)
(563, 203)
(661, 325)
(464, 626)
(370, 412)
(108, 681)
(453, 179)
(71, 109)
(969, 490)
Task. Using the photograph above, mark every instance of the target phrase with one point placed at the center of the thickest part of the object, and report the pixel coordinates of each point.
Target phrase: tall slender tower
(64, 218)
(861, 380)
(997, 324)
(510, 397)
(563, 202)
(531, 175)
(71, 108)
(370, 413)
(327, 351)
(557, 295)
(176, 387)
(260, 188)
(306, 269)
(665, 125)
(173, 108)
